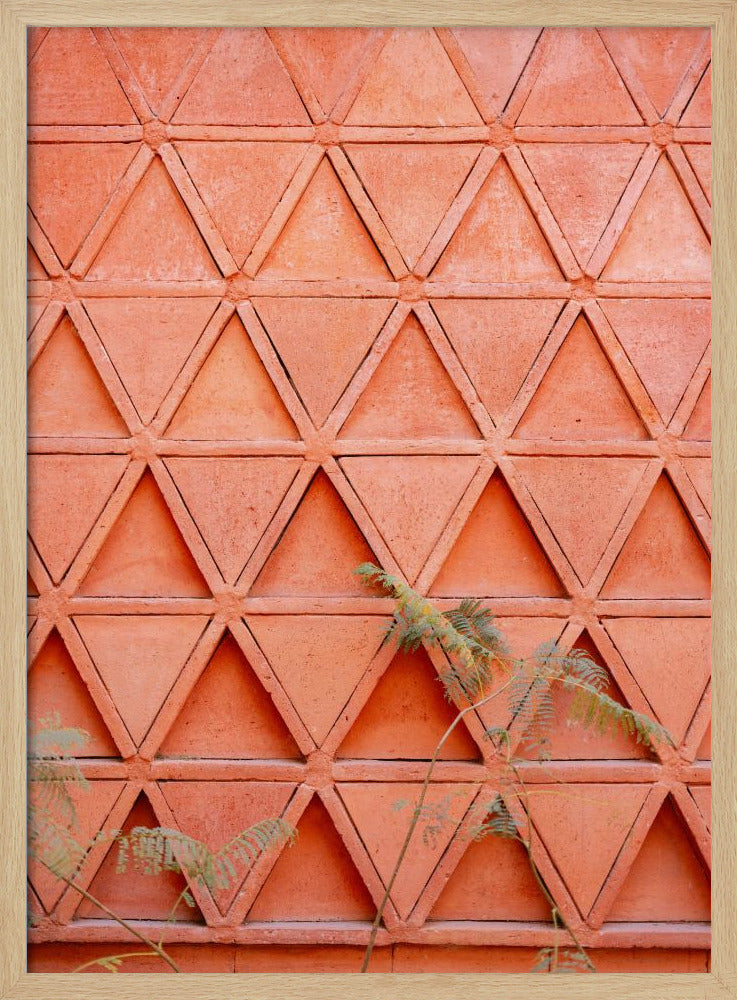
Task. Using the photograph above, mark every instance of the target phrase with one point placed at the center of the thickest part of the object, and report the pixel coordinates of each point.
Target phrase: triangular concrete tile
(319, 659)
(229, 715)
(325, 59)
(406, 716)
(670, 660)
(699, 472)
(148, 341)
(663, 557)
(35, 307)
(315, 879)
(578, 84)
(241, 184)
(382, 827)
(569, 822)
(493, 881)
(497, 59)
(412, 186)
(155, 239)
(698, 110)
(480, 330)
(34, 267)
(582, 184)
(65, 496)
(319, 550)
(702, 797)
(410, 498)
(232, 396)
(498, 238)
(157, 56)
(496, 553)
(698, 427)
(66, 396)
(659, 56)
(657, 245)
(413, 82)
(583, 500)
(239, 500)
(667, 881)
(55, 686)
(69, 184)
(700, 159)
(139, 657)
(215, 812)
(580, 397)
(704, 751)
(242, 82)
(59, 78)
(324, 238)
(410, 395)
(135, 895)
(309, 331)
(665, 340)
(144, 555)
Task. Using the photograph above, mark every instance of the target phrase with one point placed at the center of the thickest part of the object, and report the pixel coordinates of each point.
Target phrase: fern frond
(568, 961)
(596, 710)
(532, 709)
(54, 846)
(497, 821)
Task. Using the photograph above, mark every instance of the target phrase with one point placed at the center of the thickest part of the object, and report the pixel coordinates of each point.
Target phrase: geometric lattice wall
(304, 297)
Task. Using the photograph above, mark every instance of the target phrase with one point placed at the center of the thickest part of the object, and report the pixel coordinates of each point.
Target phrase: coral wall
(301, 298)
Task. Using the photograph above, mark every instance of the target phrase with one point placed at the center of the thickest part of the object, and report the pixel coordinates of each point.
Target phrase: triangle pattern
(406, 716)
(242, 82)
(66, 396)
(135, 894)
(698, 111)
(663, 540)
(578, 63)
(665, 339)
(381, 812)
(496, 553)
(31, 588)
(68, 186)
(309, 330)
(144, 555)
(410, 395)
(659, 56)
(66, 494)
(59, 91)
(586, 814)
(410, 498)
(325, 60)
(699, 472)
(701, 795)
(35, 308)
(497, 59)
(658, 246)
(148, 341)
(232, 396)
(241, 184)
(138, 658)
(92, 806)
(241, 498)
(700, 159)
(413, 82)
(498, 238)
(155, 239)
(156, 57)
(582, 184)
(35, 269)
(667, 880)
(580, 396)
(571, 740)
(596, 491)
(55, 686)
(217, 811)
(319, 550)
(670, 660)
(229, 715)
(412, 186)
(493, 881)
(318, 659)
(704, 751)
(324, 238)
(315, 879)
(698, 427)
(480, 330)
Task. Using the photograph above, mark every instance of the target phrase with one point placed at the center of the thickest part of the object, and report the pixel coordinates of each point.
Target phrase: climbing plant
(478, 667)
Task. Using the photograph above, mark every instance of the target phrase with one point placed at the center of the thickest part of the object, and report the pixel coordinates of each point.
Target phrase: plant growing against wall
(478, 669)
(52, 840)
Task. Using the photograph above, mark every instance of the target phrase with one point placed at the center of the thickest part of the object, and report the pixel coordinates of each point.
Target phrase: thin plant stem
(108, 958)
